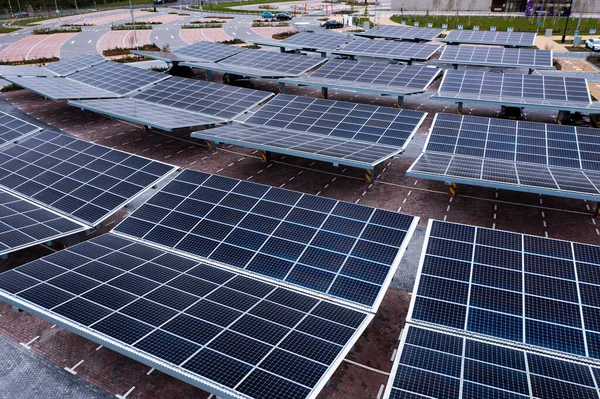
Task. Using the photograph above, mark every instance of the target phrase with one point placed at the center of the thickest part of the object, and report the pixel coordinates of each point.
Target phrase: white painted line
(394, 355)
(72, 369)
(100, 347)
(366, 367)
(381, 388)
(89, 41)
(127, 393)
(30, 342)
(72, 41)
(150, 372)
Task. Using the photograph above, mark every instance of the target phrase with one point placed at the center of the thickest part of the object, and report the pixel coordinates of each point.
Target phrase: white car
(593, 44)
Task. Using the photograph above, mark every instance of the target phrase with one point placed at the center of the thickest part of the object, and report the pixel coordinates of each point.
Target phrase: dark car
(283, 17)
(511, 113)
(573, 118)
(332, 24)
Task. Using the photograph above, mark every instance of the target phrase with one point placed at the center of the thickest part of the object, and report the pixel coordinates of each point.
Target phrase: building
(542, 7)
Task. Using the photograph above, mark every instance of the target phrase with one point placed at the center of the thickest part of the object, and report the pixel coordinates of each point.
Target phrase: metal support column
(531, 71)
(282, 87)
(209, 76)
(597, 213)
(400, 101)
(324, 92)
(452, 189)
(409, 62)
(369, 175)
(282, 49)
(266, 156)
(210, 144)
(460, 108)
(455, 66)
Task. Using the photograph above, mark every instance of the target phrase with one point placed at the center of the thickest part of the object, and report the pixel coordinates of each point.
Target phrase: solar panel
(435, 364)
(391, 79)
(86, 181)
(24, 70)
(517, 155)
(219, 330)
(345, 251)
(13, 128)
(160, 55)
(306, 145)
(403, 51)
(149, 114)
(513, 288)
(24, 224)
(493, 56)
(207, 51)
(364, 122)
(310, 41)
(516, 39)
(75, 64)
(118, 78)
(266, 64)
(513, 88)
(402, 32)
(60, 88)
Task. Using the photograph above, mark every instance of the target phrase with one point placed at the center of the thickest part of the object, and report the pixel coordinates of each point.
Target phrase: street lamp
(133, 25)
(57, 12)
(567, 22)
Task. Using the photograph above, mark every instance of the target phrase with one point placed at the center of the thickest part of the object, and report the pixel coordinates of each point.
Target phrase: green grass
(29, 21)
(520, 24)
(51, 31)
(8, 30)
(227, 7)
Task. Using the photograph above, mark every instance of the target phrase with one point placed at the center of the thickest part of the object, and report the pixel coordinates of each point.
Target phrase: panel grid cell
(86, 181)
(307, 40)
(387, 49)
(13, 128)
(346, 251)
(78, 63)
(402, 32)
(493, 56)
(197, 329)
(58, 88)
(515, 39)
(206, 51)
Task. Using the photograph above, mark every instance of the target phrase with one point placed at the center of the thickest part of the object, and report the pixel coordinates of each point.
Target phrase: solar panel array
(71, 65)
(149, 114)
(86, 181)
(307, 40)
(374, 124)
(402, 32)
(493, 56)
(207, 51)
(207, 98)
(118, 78)
(60, 88)
(24, 70)
(517, 39)
(432, 364)
(13, 128)
(263, 64)
(389, 49)
(160, 55)
(214, 328)
(537, 157)
(23, 224)
(346, 251)
(308, 145)
(514, 88)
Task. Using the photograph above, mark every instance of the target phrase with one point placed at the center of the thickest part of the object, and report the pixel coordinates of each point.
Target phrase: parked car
(593, 44)
(332, 24)
(283, 17)
(268, 15)
(573, 118)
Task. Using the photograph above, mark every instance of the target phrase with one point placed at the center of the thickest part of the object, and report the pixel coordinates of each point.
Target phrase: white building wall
(590, 6)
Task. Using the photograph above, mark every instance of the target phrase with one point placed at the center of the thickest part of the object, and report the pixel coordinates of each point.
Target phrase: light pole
(76, 8)
(19, 4)
(566, 22)
(57, 12)
(133, 25)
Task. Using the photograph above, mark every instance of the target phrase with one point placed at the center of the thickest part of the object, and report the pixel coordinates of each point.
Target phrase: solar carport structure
(524, 156)
(60, 68)
(180, 103)
(514, 89)
(260, 64)
(389, 50)
(401, 32)
(494, 56)
(500, 314)
(368, 77)
(497, 38)
(306, 41)
(200, 51)
(244, 290)
(338, 132)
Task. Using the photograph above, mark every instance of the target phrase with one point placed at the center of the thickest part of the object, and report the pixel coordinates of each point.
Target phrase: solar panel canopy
(219, 330)
(516, 155)
(24, 224)
(59, 88)
(13, 128)
(401, 32)
(494, 56)
(515, 39)
(389, 79)
(265, 64)
(76, 178)
(310, 41)
(207, 51)
(433, 364)
(60, 68)
(514, 289)
(24, 70)
(555, 92)
(403, 51)
(341, 251)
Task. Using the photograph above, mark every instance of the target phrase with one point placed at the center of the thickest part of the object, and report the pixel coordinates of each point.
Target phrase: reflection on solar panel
(503, 57)
(24, 224)
(510, 287)
(218, 330)
(376, 77)
(347, 251)
(149, 114)
(516, 155)
(402, 32)
(13, 129)
(118, 78)
(389, 50)
(266, 64)
(432, 364)
(514, 88)
(59, 88)
(306, 145)
(86, 181)
(517, 39)
(197, 96)
(75, 64)
(207, 51)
